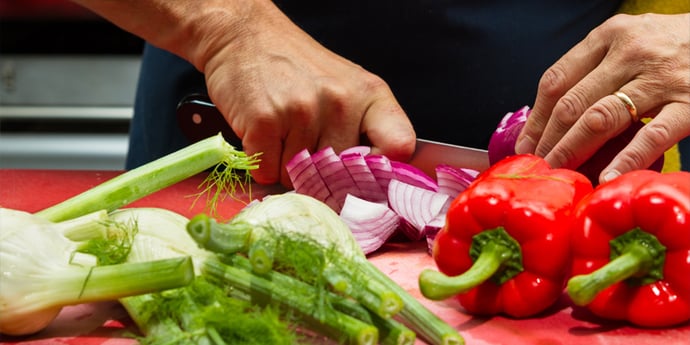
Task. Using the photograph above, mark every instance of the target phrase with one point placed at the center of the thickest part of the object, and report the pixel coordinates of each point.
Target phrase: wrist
(220, 25)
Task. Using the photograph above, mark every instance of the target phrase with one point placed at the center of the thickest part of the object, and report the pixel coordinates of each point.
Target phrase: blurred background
(67, 85)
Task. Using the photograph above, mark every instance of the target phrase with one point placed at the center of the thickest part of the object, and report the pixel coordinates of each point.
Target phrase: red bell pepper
(631, 253)
(505, 245)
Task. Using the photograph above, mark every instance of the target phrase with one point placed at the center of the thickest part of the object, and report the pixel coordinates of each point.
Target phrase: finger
(555, 83)
(607, 118)
(265, 137)
(651, 141)
(340, 118)
(389, 130)
(299, 137)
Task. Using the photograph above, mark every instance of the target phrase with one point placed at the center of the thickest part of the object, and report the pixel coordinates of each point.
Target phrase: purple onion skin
(502, 144)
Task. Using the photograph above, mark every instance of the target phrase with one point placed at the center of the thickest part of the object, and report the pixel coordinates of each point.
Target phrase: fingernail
(524, 145)
(610, 175)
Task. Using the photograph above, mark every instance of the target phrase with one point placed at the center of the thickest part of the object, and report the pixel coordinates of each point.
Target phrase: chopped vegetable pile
(304, 238)
(284, 268)
(376, 196)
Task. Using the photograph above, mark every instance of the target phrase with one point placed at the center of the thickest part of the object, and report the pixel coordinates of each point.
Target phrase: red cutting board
(108, 323)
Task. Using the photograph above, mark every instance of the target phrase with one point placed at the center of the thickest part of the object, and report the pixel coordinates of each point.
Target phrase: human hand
(647, 57)
(281, 92)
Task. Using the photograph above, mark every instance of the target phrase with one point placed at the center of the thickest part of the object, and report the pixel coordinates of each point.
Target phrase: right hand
(281, 92)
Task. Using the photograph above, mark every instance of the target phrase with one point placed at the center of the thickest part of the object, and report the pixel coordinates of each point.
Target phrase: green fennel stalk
(292, 215)
(139, 182)
(300, 300)
(390, 331)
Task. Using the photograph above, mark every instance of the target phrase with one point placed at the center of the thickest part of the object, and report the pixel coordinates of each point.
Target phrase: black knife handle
(198, 118)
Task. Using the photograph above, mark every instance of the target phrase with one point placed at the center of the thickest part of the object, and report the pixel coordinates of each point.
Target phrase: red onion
(306, 179)
(416, 205)
(381, 167)
(432, 228)
(376, 196)
(372, 223)
(409, 174)
(452, 180)
(502, 142)
(361, 150)
(335, 175)
(368, 187)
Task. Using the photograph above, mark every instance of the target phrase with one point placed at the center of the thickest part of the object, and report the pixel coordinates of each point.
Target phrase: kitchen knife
(199, 118)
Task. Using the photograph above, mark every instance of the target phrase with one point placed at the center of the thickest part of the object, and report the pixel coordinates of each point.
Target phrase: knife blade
(198, 118)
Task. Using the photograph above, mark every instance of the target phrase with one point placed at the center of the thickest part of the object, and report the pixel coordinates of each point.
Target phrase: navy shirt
(456, 67)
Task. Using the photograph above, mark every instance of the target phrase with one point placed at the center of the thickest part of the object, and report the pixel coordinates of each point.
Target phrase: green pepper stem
(438, 286)
(582, 289)
(637, 257)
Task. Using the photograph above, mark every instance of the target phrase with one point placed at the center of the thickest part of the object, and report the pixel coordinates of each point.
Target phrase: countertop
(108, 323)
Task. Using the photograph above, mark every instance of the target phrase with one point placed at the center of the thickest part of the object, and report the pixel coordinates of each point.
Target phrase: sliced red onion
(335, 175)
(412, 175)
(382, 169)
(372, 223)
(368, 187)
(415, 205)
(306, 179)
(432, 228)
(502, 142)
(377, 196)
(362, 150)
(452, 180)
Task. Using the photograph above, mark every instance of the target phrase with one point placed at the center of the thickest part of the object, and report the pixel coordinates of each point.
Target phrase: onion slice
(376, 196)
(371, 223)
(432, 228)
(367, 185)
(382, 169)
(417, 206)
(306, 179)
(412, 175)
(334, 175)
(452, 180)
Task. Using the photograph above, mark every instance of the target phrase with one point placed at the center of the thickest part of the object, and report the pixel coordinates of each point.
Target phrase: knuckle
(601, 118)
(373, 83)
(569, 108)
(616, 23)
(632, 159)
(553, 81)
(337, 98)
(565, 157)
(302, 109)
(656, 134)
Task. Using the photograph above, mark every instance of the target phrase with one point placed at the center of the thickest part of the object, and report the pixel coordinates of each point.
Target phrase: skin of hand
(647, 57)
(281, 92)
(279, 89)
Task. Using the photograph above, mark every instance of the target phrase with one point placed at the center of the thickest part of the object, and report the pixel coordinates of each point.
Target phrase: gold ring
(628, 105)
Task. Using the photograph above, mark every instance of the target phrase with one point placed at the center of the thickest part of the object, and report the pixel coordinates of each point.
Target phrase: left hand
(647, 57)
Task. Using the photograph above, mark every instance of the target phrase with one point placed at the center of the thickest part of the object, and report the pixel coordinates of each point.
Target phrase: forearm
(191, 29)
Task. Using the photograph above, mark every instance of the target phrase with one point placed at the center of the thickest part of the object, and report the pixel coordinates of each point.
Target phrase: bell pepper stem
(637, 256)
(438, 286)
